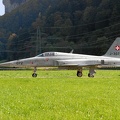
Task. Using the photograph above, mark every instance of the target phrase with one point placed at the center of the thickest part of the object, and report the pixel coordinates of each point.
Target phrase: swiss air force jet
(70, 60)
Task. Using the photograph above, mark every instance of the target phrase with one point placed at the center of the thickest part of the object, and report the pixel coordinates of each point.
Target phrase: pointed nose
(7, 64)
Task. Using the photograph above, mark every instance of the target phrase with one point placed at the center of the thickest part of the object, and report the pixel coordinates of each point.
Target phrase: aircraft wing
(79, 62)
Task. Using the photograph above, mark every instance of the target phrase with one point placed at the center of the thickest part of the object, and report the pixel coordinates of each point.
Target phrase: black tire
(79, 74)
(34, 75)
(89, 75)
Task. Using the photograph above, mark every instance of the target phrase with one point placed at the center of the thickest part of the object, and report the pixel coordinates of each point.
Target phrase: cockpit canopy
(46, 54)
(50, 54)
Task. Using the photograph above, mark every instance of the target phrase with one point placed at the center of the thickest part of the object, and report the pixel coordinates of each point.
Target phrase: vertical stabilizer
(114, 50)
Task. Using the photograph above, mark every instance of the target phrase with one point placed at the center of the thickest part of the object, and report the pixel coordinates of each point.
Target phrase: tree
(11, 46)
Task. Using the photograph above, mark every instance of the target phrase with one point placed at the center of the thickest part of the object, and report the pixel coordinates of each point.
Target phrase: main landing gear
(90, 74)
(34, 74)
(79, 72)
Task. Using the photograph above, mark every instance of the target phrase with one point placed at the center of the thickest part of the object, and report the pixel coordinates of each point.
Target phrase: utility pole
(38, 41)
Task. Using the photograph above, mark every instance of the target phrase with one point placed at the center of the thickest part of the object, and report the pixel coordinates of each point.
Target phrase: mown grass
(59, 95)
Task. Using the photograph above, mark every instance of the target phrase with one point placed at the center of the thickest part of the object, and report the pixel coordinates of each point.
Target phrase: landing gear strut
(34, 74)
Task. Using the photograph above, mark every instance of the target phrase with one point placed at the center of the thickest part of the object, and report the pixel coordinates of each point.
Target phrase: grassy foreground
(59, 95)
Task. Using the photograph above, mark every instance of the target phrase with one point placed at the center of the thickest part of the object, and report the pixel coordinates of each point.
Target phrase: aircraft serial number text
(115, 53)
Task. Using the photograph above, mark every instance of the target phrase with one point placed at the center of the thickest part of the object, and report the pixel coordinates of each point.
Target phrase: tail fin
(114, 50)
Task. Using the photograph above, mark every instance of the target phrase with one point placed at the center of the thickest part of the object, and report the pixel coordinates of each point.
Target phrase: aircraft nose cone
(6, 64)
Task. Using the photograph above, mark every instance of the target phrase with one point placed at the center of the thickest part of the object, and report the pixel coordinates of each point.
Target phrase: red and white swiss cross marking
(117, 47)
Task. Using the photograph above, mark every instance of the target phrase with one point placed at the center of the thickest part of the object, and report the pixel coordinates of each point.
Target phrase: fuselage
(54, 59)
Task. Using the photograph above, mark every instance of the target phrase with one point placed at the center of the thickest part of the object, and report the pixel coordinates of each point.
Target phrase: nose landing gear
(34, 74)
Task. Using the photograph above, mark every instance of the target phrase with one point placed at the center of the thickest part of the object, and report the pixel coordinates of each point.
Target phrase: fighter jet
(71, 60)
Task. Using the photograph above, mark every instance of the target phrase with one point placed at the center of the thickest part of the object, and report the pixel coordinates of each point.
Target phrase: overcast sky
(2, 8)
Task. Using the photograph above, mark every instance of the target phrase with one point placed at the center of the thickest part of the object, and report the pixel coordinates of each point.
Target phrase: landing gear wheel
(79, 74)
(89, 75)
(34, 75)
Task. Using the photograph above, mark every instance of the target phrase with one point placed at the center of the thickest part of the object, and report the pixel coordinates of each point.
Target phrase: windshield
(40, 55)
(46, 54)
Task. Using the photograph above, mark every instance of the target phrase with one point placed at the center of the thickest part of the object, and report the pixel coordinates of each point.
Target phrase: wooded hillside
(87, 26)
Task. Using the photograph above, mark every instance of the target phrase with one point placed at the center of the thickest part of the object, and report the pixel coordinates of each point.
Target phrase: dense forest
(17, 1)
(87, 26)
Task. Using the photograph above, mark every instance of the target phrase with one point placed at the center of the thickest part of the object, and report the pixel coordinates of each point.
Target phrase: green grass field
(59, 95)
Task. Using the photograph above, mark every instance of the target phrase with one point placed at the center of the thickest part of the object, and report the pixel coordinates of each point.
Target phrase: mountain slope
(84, 25)
(12, 4)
